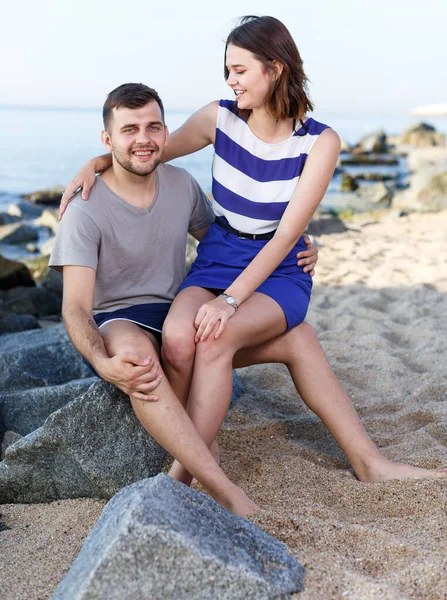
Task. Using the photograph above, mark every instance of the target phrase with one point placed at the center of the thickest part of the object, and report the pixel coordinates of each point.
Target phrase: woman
(271, 168)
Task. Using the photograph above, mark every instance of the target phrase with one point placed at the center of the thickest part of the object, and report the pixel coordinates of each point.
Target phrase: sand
(380, 309)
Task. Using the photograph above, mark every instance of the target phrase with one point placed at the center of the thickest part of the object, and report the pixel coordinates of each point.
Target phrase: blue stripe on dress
(254, 167)
(240, 205)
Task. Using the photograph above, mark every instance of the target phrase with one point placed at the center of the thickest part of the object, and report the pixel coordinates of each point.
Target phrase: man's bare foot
(386, 470)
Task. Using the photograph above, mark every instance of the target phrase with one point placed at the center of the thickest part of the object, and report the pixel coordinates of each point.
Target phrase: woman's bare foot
(238, 503)
(383, 469)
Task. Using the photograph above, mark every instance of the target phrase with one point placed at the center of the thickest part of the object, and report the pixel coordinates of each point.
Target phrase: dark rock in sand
(91, 447)
(325, 224)
(24, 210)
(23, 412)
(13, 274)
(160, 539)
(17, 233)
(13, 323)
(39, 358)
(49, 197)
(35, 301)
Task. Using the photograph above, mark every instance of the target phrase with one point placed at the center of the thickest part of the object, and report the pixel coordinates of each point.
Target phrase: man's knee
(178, 344)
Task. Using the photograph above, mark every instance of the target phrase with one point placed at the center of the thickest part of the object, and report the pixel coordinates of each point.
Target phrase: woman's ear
(277, 69)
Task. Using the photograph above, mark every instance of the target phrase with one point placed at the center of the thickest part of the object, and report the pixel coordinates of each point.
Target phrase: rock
(36, 301)
(162, 540)
(369, 159)
(24, 412)
(348, 183)
(17, 233)
(373, 142)
(48, 218)
(91, 447)
(49, 197)
(9, 438)
(375, 195)
(47, 248)
(13, 274)
(377, 176)
(38, 266)
(425, 194)
(38, 358)
(14, 323)
(423, 158)
(191, 252)
(53, 281)
(32, 248)
(6, 219)
(24, 210)
(421, 135)
(325, 224)
(345, 147)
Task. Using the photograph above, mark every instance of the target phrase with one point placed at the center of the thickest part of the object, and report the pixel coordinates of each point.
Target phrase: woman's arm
(196, 133)
(309, 192)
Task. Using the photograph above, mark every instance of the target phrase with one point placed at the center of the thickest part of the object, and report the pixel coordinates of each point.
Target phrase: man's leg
(321, 391)
(167, 422)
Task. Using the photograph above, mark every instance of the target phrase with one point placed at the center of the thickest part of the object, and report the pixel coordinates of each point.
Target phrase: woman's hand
(84, 178)
(210, 314)
(308, 258)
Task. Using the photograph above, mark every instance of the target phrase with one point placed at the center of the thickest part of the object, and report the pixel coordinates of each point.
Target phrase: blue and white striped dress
(252, 184)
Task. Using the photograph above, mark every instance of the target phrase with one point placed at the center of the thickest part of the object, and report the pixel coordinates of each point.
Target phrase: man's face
(137, 138)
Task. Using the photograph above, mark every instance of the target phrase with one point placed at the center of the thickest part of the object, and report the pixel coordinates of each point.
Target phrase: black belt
(242, 235)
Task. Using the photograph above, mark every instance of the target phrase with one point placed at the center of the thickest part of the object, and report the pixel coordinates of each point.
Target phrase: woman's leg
(258, 319)
(168, 423)
(320, 389)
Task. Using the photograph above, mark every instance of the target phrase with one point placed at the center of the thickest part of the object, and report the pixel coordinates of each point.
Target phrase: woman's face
(248, 78)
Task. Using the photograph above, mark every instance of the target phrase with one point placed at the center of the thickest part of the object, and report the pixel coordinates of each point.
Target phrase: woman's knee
(178, 343)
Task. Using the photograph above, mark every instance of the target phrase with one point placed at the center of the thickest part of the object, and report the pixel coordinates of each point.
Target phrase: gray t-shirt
(138, 254)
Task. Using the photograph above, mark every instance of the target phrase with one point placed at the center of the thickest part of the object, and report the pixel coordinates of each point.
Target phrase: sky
(386, 56)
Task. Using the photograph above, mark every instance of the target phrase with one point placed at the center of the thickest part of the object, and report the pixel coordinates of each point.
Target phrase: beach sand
(380, 309)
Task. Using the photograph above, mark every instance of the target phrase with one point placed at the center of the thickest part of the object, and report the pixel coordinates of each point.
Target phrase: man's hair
(129, 95)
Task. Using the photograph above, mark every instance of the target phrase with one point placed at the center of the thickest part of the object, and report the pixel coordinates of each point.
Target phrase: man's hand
(309, 257)
(135, 375)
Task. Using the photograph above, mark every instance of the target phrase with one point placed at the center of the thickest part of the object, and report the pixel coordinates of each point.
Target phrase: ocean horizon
(45, 146)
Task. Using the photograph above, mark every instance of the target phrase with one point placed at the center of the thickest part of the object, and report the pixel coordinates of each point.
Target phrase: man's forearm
(85, 335)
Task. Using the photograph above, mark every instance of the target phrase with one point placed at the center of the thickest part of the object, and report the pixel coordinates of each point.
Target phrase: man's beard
(141, 170)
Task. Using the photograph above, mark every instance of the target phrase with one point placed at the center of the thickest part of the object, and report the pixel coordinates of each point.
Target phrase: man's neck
(136, 190)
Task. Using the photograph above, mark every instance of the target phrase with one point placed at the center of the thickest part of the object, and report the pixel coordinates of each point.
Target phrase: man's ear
(167, 135)
(106, 139)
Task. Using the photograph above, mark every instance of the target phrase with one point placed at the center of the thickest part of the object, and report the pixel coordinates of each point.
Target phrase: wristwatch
(229, 300)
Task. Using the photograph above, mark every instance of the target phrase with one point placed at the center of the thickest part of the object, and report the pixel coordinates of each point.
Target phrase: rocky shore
(70, 443)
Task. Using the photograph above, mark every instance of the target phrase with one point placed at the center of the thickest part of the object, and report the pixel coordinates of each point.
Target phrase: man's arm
(128, 371)
(200, 233)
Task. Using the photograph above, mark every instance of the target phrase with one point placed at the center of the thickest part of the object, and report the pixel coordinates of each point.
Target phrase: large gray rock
(161, 540)
(6, 219)
(13, 274)
(374, 142)
(92, 447)
(427, 192)
(324, 224)
(39, 358)
(23, 412)
(420, 136)
(17, 233)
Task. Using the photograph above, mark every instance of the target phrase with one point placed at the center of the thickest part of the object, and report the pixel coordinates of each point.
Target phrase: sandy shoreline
(380, 309)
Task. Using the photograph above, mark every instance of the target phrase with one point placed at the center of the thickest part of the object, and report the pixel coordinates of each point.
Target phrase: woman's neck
(268, 128)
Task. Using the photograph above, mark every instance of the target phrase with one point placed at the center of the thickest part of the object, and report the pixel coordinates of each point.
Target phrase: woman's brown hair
(269, 40)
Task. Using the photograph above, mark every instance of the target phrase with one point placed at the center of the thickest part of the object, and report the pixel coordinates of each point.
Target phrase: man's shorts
(148, 316)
